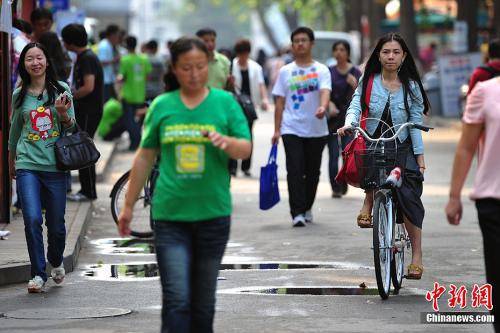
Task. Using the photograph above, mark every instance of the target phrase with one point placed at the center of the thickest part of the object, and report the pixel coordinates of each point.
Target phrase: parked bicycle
(142, 227)
(381, 170)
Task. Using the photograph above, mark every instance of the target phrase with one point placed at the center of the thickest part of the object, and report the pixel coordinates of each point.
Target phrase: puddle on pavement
(123, 272)
(133, 245)
(291, 265)
(315, 291)
(125, 246)
(149, 270)
(309, 290)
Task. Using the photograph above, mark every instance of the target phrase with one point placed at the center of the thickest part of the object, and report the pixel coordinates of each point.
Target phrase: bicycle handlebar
(367, 137)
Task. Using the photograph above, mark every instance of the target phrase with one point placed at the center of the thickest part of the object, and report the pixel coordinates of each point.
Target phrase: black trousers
(488, 211)
(245, 164)
(88, 122)
(303, 162)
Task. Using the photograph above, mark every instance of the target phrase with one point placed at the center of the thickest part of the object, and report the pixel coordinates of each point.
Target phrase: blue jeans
(333, 164)
(189, 257)
(131, 126)
(37, 189)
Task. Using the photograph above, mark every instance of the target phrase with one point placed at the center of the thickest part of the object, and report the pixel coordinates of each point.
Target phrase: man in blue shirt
(107, 57)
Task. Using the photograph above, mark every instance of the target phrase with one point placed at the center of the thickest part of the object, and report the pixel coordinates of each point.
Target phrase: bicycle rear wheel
(382, 243)
(141, 225)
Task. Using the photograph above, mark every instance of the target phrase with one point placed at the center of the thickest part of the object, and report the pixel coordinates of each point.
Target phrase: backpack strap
(367, 101)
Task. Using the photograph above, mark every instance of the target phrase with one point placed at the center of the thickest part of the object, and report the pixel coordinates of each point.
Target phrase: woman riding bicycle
(397, 96)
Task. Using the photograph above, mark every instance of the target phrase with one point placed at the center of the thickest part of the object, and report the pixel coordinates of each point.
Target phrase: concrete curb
(21, 272)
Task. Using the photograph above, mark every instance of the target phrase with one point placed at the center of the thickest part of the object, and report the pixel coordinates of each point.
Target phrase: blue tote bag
(269, 192)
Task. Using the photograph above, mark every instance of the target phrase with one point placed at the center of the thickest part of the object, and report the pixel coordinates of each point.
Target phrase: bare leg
(368, 203)
(415, 234)
(364, 219)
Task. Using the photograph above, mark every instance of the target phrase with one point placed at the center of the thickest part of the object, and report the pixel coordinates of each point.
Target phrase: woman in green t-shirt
(195, 130)
(38, 118)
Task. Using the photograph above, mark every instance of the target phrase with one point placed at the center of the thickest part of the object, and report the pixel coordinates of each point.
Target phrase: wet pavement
(275, 278)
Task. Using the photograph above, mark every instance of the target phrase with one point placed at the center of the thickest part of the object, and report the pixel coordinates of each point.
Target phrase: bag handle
(273, 154)
(367, 101)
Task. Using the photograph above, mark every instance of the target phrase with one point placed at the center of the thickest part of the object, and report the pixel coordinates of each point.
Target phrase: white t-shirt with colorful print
(301, 88)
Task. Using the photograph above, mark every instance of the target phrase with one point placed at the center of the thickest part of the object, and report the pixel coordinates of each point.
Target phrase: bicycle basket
(375, 164)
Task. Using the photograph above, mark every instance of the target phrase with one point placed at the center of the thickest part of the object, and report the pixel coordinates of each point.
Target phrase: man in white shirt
(302, 94)
(108, 58)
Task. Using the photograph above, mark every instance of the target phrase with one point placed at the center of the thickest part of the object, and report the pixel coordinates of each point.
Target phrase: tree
(319, 14)
(352, 15)
(408, 27)
(496, 18)
(467, 11)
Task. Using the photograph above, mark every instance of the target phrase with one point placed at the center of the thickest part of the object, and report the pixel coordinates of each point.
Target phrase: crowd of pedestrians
(192, 112)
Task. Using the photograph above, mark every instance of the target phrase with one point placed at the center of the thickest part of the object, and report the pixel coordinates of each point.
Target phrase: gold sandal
(364, 220)
(415, 272)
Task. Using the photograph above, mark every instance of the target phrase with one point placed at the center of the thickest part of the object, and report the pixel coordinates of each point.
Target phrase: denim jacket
(399, 114)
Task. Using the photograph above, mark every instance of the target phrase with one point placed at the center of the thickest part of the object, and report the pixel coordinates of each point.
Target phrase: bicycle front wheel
(140, 226)
(382, 239)
(401, 242)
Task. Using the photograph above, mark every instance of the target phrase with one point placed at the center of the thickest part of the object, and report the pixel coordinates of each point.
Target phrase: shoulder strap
(367, 102)
(493, 72)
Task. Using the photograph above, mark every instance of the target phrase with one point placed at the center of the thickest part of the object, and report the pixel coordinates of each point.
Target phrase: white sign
(455, 71)
(6, 17)
(459, 39)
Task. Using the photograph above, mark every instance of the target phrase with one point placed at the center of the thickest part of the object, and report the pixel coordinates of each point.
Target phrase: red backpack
(349, 173)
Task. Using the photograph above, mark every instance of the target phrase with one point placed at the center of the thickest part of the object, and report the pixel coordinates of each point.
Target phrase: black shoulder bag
(244, 101)
(75, 151)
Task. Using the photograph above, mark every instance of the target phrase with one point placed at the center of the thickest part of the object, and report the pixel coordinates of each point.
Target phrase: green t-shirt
(111, 114)
(134, 68)
(194, 180)
(34, 130)
(218, 71)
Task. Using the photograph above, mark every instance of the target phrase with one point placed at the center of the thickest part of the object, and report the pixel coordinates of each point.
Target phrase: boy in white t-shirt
(302, 93)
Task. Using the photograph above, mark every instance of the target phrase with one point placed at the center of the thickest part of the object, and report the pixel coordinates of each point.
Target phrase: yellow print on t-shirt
(190, 158)
(184, 133)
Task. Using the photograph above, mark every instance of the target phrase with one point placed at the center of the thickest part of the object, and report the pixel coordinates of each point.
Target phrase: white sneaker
(36, 285)
(308, 216)
(4, 233)
(299, 221)
(58, 274)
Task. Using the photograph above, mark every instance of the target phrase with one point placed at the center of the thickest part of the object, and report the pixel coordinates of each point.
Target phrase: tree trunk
(353, 10)
(408, 27)
(292, 18)
(467, 11)
(496, 18)
(376, 15)
(267, 29)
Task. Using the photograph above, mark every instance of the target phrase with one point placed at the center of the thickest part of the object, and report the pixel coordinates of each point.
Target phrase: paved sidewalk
(14, 259)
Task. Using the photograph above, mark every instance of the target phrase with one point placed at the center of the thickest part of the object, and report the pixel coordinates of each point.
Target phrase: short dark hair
(242, 46)
(152, 45)
(41, 13)
(206, 31)
(75, 34)
(303, 30)
(112, 29)
(494, 48)
(131, 42)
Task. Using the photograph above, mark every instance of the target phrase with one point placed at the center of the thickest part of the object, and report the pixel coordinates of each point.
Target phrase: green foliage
(319, 14)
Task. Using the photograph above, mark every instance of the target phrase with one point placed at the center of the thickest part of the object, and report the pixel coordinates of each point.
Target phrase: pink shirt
(483, 107)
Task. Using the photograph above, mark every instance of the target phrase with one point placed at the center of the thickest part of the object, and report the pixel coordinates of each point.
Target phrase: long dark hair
(178, 48)
(59, 59)
(53, 87)
(407, 72)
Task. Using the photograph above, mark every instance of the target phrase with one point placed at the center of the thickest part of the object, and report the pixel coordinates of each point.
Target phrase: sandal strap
(413, 267)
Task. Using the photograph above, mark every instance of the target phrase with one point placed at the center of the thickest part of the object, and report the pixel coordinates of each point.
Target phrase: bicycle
(142, 226)
(390, 238)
